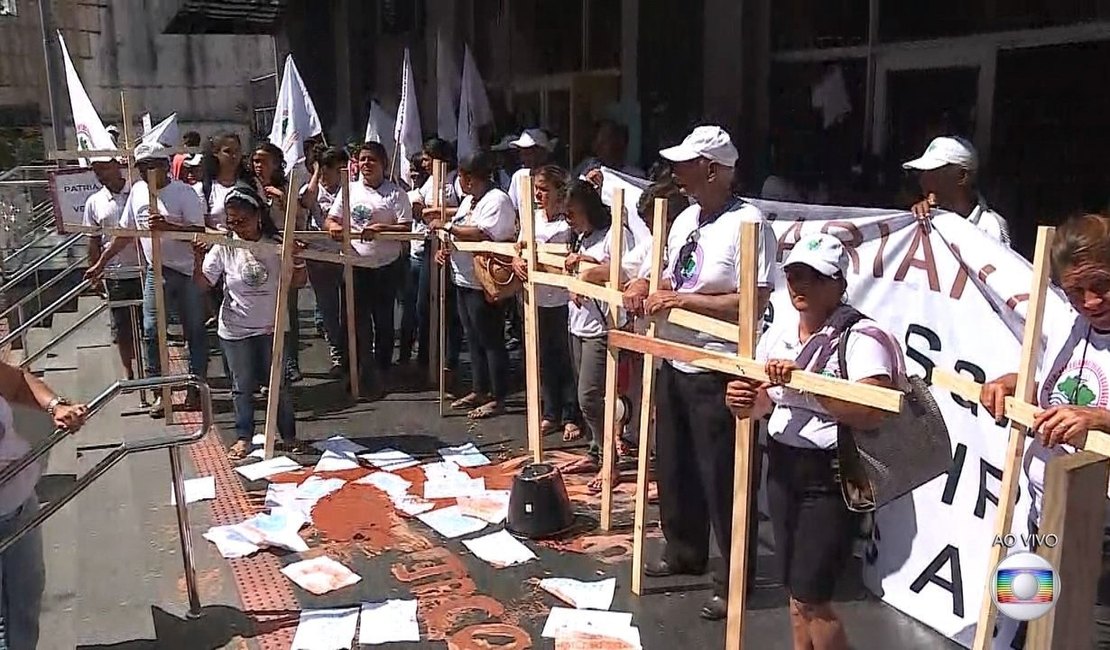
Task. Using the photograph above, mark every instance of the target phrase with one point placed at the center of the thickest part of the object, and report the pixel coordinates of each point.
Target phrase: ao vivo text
(1030, 540)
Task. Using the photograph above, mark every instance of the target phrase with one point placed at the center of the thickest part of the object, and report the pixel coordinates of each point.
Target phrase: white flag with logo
(474, 110)
(165, 132)
(295, 117)
(448, 84)
(148, 123)
(407, 135)
(379, 128)
(90, 131)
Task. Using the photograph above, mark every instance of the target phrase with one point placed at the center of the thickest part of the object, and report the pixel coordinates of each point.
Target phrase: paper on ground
(465, 455)
(451, 523)
(196, 489)
(581, 595)
(389, 622)
(284, 495)
(326, 629)
(336, 462)
(390, 459)
(442, 470)
(585, 620)
(489, 505)
(500, 549)
(321, 575)
(459, 485)
(277, 528)
(339, 445)
(391, 484)
(623, 639)
(258, 442)
(230, 542)
(267, 468)
(315, 488)
(410, 504)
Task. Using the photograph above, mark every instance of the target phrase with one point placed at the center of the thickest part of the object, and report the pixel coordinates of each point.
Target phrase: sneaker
(156, 411)
(293, 374)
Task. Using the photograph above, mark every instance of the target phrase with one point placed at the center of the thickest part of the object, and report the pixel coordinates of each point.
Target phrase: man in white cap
(947, 174)
(534, 148)
(695, 432)
(178, 210)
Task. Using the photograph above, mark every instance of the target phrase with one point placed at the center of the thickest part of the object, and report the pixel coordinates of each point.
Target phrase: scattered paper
(231, 542)
(339, 445)
(389, 622)
(500, 549)
(321, 575)
(465, 455)
(489, 505)
(267, 468)
(623, 639)
(451, 523)
(326, 629)
(390, 459)
(582, 595)
(336, 462)
(258, 442)
(391, 484)
(284, 495)
(410, 504)
(585, 620)
(315, 488)
(196, 489)
(277, 528)
(442, 470)
(453, 487)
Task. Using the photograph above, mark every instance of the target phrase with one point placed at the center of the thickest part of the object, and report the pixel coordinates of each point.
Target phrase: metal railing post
(137, 350)
(184, 533)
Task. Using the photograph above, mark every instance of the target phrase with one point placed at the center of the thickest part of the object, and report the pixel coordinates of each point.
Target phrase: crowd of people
(695, 409)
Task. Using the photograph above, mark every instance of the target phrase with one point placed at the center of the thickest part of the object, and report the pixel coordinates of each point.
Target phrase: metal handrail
(96, 311)
(172, 443)
(49, 310)
(45, 285)
(25, 272)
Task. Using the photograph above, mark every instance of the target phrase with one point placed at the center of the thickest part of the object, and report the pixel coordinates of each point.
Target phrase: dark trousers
(695, 443)
(327, 284)
(415, 314)
(557, 385)
(375, 293)
(484, 326)
(454, 323)
(293, 333)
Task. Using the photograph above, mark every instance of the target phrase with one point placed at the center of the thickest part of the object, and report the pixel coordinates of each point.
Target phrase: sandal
(239, 450)
(595, 485)
(571, 432)
(469, 402)
(487, 410)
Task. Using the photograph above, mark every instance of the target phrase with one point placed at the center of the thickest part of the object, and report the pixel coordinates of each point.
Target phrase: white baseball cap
(151, 151)
(822, 253)
(533, 138)
(710, 142)
(946, 150)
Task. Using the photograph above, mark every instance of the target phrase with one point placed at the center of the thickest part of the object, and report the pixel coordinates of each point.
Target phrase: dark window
(401, 16)
(805, 24)
(902, 21)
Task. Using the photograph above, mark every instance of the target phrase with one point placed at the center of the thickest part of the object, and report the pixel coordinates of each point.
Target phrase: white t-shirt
(250, 288)
(217, 216)
(990, 222)
(102, 210)
(1076, 371)
(426, 196)
(494, 214)
(386, 204)
(636, 265)
(590, 320)
(714, 267)
(13, 446)
(798, 419)
(178, 203)
(324, 200)
(551, 232)
(516, 186)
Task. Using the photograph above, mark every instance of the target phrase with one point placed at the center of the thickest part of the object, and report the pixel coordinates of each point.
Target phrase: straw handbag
(495, 274)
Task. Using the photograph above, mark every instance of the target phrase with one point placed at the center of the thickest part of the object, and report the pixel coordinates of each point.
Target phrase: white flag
(295, 117)
(147, 123)
(474, 110)
(165, 132)
(379, 128)
(407, 135)
(90, 131)
(447, 93)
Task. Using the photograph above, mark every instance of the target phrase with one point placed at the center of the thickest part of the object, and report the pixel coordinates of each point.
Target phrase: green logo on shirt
(1076, 390)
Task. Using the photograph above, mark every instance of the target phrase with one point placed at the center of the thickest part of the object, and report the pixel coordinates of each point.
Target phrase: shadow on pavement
(217, 626)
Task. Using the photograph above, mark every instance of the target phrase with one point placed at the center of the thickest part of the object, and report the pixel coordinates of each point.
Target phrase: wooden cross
(349, 290)
(436, 320)
(609, 448)
(531, 326)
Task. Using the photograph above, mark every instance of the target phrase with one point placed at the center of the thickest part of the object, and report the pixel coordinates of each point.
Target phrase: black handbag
(907, 451)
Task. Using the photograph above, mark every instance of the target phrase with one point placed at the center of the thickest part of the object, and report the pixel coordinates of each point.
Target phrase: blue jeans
(327, 284)
(557, 378)
(187, 299)
(293, 333)
(22, 580)
(249, 359)
(415, 317)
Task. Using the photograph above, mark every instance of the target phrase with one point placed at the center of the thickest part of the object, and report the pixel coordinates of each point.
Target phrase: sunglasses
(685, 260)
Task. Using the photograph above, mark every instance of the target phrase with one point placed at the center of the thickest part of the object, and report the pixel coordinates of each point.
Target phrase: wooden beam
(609, 445)
(349, 289)
(281, 324)
(1074, 510)
(431, 246)
(647, 404)
(531, 326)
(885, 399)
(745, 448)
(1015, 450)
(382, 236)
(441, 278)
(160, 299)
(575, 285)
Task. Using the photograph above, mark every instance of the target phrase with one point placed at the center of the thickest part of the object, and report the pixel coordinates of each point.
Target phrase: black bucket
(538, 504)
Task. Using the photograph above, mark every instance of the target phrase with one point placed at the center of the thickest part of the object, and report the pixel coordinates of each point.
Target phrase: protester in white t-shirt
(178, 210)
(813, 527)
(534, 148)
(377, 206)
(557, 385)
(485, 214)
(121, 276)
(21, 564)
(1072, 375)
(317, 197)
(947, 175)
(246, 321)
(610, 149)
(225, 167)
(695, 431)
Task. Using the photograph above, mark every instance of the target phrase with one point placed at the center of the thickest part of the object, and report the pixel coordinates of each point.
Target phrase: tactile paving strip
(264, 592)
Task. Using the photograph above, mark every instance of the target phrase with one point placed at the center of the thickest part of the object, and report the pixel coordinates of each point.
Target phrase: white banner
(295, 117)
(956, 299)
(69, 189)
(474, 109)
(407, 135)
(90, 131)
(448, 85)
